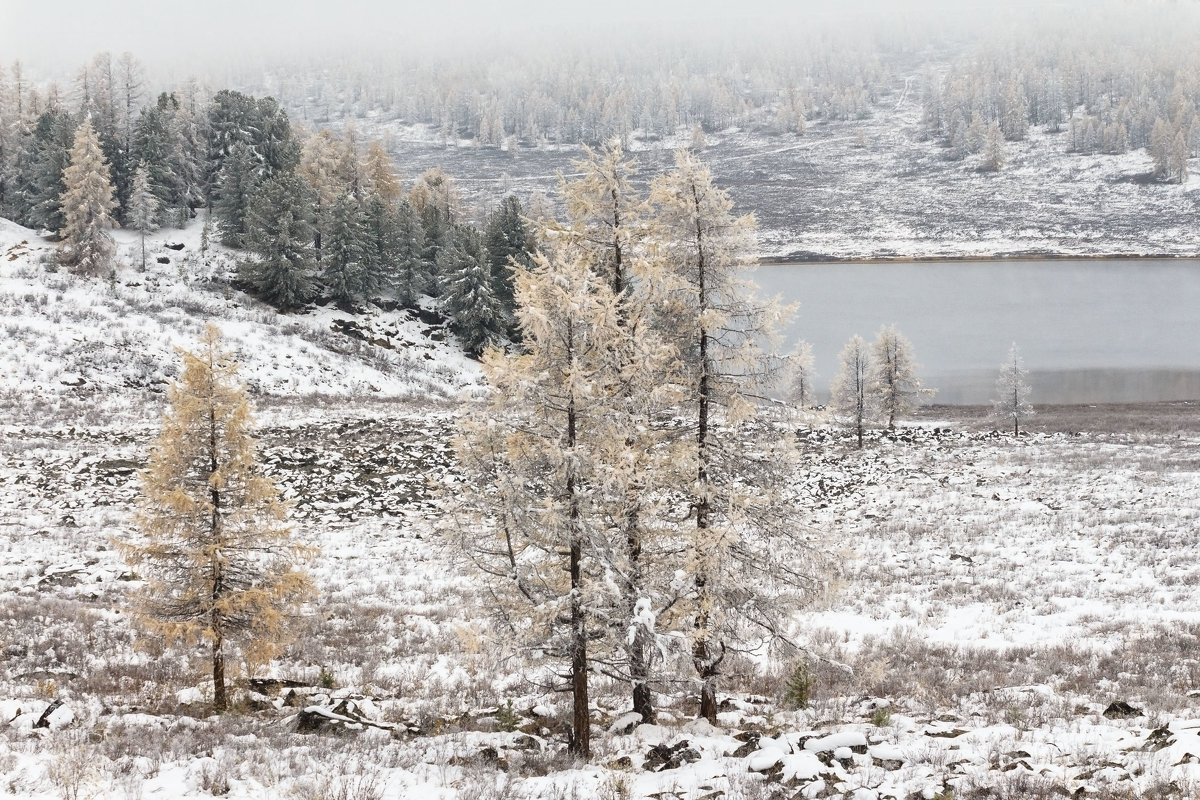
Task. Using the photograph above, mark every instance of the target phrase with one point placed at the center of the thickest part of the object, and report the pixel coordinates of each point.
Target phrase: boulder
(663, 757)
(1121, 710)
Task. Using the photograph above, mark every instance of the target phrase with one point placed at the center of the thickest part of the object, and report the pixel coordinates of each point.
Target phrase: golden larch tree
(217, 550)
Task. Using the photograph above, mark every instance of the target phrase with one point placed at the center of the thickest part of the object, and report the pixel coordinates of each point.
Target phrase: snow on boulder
(186, 697)
(764, 760)
(887, 755)
(625, 723)
(56, 717)
(801, 767)
(853, 740)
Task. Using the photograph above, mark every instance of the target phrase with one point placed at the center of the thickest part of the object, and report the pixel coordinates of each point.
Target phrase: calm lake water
(1089, 331)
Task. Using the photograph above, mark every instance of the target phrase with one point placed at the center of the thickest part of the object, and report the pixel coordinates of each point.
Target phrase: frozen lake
(1089, 330)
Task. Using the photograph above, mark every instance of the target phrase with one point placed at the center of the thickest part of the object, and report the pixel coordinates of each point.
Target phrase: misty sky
(64, 34)
(68, 32)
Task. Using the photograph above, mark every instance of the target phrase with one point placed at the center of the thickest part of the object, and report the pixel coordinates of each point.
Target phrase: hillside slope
(83, 350)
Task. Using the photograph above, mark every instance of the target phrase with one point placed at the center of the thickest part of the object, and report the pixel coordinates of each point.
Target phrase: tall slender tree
(54, 136)
(238, 181)
(608, 222)
(851, 395)
(87, 248)
(719, 331)
(143, 208)
(1012, 391)
(800, 366)
(344, 269)
(221, 561)
(893, 378)
(535, 449)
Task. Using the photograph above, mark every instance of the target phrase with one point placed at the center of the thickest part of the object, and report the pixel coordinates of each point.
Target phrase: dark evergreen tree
(54, 135)
(261, 127)
(279, 232)
(273, 139)
(239, 180)
(230, 121)
(119, 166)
(344, 270)
(382, 243)
(154, 147)
(411, 274)
(187, 161)
(468, 294)
(436, 232)
(21, 190)
(509, 241)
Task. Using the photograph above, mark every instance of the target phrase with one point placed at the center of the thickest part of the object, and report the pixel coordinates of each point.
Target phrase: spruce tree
(87, 248)
(509, 242)
(154, 148)
(279, 233)
(381, 244)
(344, 270)
(412, 274)
(187, 162)
(239, 181)
(54, 136)
(219, 556)
(468, 294)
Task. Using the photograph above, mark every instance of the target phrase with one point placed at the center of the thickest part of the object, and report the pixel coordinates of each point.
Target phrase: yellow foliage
(217, 549)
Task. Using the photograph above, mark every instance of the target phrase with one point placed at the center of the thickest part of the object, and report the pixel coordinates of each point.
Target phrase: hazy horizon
(165, 39)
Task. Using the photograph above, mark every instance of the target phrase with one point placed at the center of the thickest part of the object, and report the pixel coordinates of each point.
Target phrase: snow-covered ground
(72, 346)
(995, 598)
(872, 188)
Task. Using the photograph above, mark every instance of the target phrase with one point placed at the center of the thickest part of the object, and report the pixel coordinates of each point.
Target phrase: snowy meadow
(1006, 617)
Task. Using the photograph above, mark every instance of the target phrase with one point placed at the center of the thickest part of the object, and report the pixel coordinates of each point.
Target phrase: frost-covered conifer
(609, 224)
(993, 149)
(508, 240)
(412, 274)
(279, 233)
(238, 180)
(800, 367)
(468, 296)
(344, 269)
(143, 208)
(893, 379)
(1012, 392)
(739, 549)
(380, 173)
(851, 397)
(533, 452)
(87, 203)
